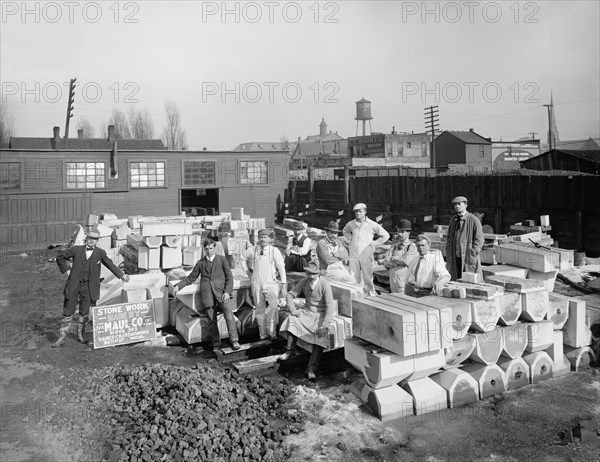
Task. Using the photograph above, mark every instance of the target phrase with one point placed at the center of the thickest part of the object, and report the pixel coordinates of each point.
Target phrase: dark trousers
(414, 291)
(81, 297)
(295, 262)
(213, 329)
(315, 356)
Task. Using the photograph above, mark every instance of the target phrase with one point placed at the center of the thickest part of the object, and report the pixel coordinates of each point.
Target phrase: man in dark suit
(83, 284)
(216, 287)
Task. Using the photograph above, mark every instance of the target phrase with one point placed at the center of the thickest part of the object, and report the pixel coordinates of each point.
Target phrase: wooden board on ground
(257, 364)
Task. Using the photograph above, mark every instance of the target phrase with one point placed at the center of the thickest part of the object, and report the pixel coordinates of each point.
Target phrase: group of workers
(414, 269)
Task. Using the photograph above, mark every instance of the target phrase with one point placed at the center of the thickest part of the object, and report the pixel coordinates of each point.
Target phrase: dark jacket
(471, 243)
(78, 272)
(215, 280)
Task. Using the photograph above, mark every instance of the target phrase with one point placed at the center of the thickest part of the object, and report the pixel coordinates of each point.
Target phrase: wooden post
(311, 185)
(578, 230)
(346, 187)
(498, 221)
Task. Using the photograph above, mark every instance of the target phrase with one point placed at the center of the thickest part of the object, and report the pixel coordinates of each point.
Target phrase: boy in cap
(333, 255)
(264, 262)
(364, 235)
(83, 284)
(464, 241)
(298, 252)
(396, 260)
(311, 323)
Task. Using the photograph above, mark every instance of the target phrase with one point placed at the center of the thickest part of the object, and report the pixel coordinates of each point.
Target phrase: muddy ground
(47, 413)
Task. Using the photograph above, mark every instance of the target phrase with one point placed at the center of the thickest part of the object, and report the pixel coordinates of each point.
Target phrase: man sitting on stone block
(310, 323)
(396, 260)
(298, 252)
(427, 274)
(333, 256)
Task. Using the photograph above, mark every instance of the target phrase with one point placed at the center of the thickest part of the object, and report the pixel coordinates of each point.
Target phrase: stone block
(155, 228)
(171, 257)
(490, 378)
(121, 233)
(461, 388)
(484, 314)
(161, 307)
(154, 242)
(426, 364)
(511, 307)
(471, 277)
(576, 333)
(390, 403)
(345, 294)
(134, 240)
(421, 329)
(540, 336)
(524, 257)
(105, 243)
(133, 295)
(460, 317)
(459, 351)
(175, 306)
(504, 270)
(134, 222)
(558, 310)
(534, 305)
(192, 327)
(148, 258)
(516, 371)
(540, 365)
(562, 366)
(172, 241)
(580, 358)
(514, 284)
(488, 346)
(427, 395)
(514, 340)
(360, 389)
(548, 278)
(191, 255)
(237, 213)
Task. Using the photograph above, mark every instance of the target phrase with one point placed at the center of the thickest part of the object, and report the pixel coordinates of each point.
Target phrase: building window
(85, 175)
(198, 173)
(10, 176)
(481, 151)
(147, 174)
(408, 144)
(253, 172)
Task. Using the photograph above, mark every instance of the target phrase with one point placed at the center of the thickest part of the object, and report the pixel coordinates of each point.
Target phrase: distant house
(506, 155)
(562, 159)
(390, 149)
(466, 151)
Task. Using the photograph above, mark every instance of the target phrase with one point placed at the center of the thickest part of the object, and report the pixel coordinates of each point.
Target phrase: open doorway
(199, 202)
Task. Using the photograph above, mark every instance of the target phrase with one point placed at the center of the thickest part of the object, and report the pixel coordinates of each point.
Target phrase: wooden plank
(257, 364)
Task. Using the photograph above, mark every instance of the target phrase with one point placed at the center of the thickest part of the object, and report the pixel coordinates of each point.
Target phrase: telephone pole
(533, 135)
(431, 123)
(70, 107)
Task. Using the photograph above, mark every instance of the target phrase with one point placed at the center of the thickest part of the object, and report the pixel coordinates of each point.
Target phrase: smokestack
(56, 131)
(111, 133)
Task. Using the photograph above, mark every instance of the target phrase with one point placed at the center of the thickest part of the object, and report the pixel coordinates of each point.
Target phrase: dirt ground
(48, 415)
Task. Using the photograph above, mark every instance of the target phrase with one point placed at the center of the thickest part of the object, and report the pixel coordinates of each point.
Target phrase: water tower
(363, 112)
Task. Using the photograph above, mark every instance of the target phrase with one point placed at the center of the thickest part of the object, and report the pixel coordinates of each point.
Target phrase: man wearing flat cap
(298, 252)
(464, 241)
(402, 252)
(264, 263)
(83, 284)
(333, 256)
(364, 235)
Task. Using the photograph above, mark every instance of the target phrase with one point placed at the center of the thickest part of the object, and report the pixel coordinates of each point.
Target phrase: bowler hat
(333, 226)
(460, 199)
(264, 232)
(405, 225)
(312, 268)
(360, 206)
(298, 225)
(93, 234)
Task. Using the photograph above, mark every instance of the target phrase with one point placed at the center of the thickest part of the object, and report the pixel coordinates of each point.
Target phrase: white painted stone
(427, 395)
(490, 378)
(390, 403)
(558, 310)
(541, 366)
(576, 333)
(514, 340)
(535, 305)
(461, 388)
(540, 336)
(516, 371)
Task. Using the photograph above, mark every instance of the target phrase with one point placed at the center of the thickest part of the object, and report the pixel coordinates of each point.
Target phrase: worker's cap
(93, 234)
(458, 199)
(312, 268)
(405, 225)
(264, 232)
(298, 225)
(333, 226)
(360, 206)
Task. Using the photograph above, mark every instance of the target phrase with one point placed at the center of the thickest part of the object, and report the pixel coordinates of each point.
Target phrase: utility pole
(533, 135)
(70, 107)
(431, 122)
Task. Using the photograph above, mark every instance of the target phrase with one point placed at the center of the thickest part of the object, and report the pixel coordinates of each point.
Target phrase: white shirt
(431, 269)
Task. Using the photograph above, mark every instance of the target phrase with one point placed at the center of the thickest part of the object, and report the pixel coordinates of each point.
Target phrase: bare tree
(7, 125)
(85, 125)
(141, 126)
(119, 120)
(174, 136)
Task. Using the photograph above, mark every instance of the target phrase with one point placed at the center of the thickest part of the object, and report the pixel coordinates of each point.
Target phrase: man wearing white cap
(464, 241)
(264, 262)
(83, 284)
(364, 235)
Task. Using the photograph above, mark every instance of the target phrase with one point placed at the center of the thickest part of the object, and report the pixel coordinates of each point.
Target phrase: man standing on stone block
(464, 241)
(83, 284)
(333, 256)
(298, 252)
(396, 260)
(364, 235)
(427, 274)
(311, 322)
(264, 262)
(216, 288)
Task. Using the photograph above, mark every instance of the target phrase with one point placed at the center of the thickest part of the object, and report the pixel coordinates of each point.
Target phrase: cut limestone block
(488, 346)
(504, 270)
(459, 351)
(540, 336)
(490, 378)
(360, 389)
(161, 307)
(580, 358)
(191, 255)
(156, 228)
(549, 278)
(121, 233)
(133, 295)
(427, 395)
(556, 350)
(461, 388)
(171, 257)
(426, 364)
(172, 241)
(484, 314)
(421, 329)
(381, 368)
(134, 240)
(514, 340)
(558, 310)
(175, 306)
(134, 221)
(474, 278)
(514, 284)
(535, 305)
(345, 294)
(540, 365)
(148, 258)
(511, 307)
(390, 403)
(524, 257)
(154, 242)
(190, 296)
(105, 243)
(389, 328)
(478, 291)
(562, 366)
(192, 327)
(460, 315)
(517, 372)
(576, 333)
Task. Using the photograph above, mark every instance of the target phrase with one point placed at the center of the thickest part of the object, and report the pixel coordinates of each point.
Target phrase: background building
(463, 151)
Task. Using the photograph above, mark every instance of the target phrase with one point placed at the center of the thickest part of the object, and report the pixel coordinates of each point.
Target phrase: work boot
(310, 375)
(81, 328)
(63, 331)
(287, 355)
(235, 345)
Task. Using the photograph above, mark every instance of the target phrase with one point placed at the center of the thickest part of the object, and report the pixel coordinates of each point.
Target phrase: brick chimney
(80, 133)
(111, 133)
(56, 131)
(471, 130)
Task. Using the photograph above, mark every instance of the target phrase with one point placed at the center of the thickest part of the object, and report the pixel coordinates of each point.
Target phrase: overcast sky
(256, 71)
